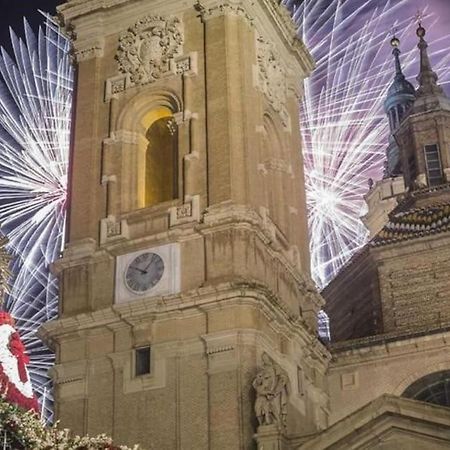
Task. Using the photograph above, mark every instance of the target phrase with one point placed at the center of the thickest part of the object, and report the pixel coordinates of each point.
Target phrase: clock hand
(149, 264)
(138, 269)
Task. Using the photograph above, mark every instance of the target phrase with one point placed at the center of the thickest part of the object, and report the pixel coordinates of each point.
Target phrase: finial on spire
(395, 43)
(427, 78)
(419, 17)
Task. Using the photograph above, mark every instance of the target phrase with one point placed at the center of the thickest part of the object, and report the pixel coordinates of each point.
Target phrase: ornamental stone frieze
(271, 79)
(221, 8)
(148, 49)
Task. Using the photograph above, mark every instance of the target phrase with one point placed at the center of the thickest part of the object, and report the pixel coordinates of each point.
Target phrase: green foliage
(24, 431)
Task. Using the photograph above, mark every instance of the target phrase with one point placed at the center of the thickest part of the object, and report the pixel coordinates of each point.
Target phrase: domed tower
(400, 96)
(424, 135)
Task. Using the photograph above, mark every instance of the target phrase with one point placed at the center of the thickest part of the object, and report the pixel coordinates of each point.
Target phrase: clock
(149, 272)
(144, 272)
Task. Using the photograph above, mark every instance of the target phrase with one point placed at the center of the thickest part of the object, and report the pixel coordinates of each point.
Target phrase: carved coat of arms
(146, 49)
(272, 77)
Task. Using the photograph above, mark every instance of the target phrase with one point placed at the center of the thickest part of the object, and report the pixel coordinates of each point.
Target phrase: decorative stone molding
(147, 50)
(95, 51)
(187, 212)
(222, 351)
(270, 78)
(223, 8)
(184, 65)
(71, 379)
(115, 86)
(124, 137)
(187, 64)
(112, 229)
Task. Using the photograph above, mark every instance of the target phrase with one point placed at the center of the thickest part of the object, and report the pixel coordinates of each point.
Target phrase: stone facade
(226, 320)
(226, 77)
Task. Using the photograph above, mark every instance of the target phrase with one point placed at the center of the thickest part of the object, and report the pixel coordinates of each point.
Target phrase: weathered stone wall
(362, 370)
(414, 284)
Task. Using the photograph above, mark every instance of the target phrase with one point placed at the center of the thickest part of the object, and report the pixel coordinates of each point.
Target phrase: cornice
(86, 31)
(374, 348)
(193, 302)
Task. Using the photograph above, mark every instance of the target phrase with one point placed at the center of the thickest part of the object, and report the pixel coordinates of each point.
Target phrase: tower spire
(427, 78)
(395, 42)
(400, 96)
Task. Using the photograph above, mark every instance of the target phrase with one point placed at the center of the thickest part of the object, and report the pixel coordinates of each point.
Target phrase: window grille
(433, 165)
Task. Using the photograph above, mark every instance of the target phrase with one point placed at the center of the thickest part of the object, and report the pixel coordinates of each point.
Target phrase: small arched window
(432, 388)
(160, 163)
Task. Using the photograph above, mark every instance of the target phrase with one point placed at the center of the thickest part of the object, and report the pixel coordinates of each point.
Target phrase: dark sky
(13, 12)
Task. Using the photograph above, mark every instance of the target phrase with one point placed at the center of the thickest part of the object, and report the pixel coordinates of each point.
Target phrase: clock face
(144, 272)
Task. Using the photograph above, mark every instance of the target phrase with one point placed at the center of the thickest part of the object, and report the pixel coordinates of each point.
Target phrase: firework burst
(35, 111)
(345, 130)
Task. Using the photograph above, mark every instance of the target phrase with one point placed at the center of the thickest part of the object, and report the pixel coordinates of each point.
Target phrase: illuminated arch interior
(159, 157)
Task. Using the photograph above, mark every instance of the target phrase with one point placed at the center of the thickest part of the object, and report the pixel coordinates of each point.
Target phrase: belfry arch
(160, 154)
(150, 150)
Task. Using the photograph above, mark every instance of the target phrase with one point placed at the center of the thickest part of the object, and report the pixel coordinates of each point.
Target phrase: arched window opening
(433, 388)
(161, 157)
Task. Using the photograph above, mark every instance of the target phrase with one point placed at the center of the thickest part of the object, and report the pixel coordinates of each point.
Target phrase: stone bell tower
(187, 251)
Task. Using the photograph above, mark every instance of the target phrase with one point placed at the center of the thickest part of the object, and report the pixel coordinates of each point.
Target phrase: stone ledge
(376, 419)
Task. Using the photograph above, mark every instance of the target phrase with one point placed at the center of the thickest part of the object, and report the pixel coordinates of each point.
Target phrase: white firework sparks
(35, 112)
(345, 130)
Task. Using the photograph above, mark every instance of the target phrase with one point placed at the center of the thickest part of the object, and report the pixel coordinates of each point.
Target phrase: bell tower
(424, 134)
(187, 252)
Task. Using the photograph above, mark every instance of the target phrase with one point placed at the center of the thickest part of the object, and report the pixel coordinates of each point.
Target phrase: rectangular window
(142, 361)
(433, 164)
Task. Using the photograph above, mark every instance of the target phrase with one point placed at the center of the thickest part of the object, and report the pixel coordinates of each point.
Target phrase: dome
(401, 91)
(401, 86)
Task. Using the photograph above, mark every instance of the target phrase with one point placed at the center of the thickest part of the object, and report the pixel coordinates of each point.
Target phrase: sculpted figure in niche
(271, 386)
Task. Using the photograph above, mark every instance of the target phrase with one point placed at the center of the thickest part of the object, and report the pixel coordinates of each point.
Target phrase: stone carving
(223, 8)
(271, 386)
(113, 228)
(271, 75)
(187, 212)
(183, 65)
(85, 54)
(184, 211)
(147, 49)
(115, 86)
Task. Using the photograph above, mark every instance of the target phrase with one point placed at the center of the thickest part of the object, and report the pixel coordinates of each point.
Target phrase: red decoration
(12, 350)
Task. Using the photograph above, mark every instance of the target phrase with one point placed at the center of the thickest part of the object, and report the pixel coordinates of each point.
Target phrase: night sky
(13, 12)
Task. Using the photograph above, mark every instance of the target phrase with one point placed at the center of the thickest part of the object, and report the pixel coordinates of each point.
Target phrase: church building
(188, 317)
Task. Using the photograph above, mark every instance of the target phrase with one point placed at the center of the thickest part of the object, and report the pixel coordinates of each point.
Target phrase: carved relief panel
(147, 50)
(271, 78)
